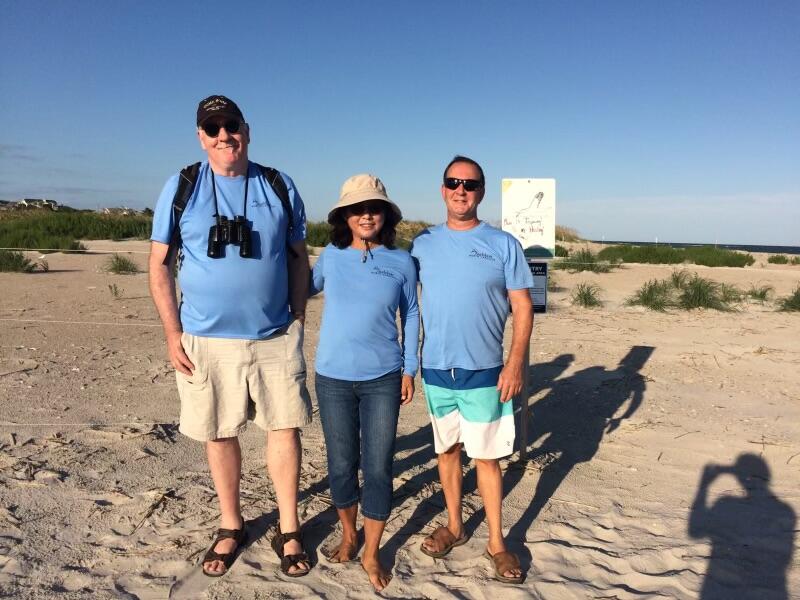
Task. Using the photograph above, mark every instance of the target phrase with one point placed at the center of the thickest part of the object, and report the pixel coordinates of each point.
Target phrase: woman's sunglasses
(374, 207)
(470, 185)
(212, 129)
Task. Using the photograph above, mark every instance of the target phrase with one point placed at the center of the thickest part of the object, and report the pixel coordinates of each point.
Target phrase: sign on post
(539, 289)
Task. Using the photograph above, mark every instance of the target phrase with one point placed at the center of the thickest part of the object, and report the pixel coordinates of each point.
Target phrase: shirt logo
(259, 204)
(483, 255)
(383, 272)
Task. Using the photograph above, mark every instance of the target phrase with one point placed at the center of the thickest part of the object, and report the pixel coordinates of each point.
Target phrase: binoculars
(236, 232)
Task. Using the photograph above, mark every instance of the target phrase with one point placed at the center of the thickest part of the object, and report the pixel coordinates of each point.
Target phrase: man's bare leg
(283, 464)
(379, 577)
(490, 487)
(348, 547)
(225, 464)
(451, 476)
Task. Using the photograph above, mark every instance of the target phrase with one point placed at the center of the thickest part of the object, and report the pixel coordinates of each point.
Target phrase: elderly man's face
(226, 151)
(461, 204)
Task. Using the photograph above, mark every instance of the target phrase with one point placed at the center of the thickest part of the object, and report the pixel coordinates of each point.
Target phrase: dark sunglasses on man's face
(470, 185)
(373, 208)
(212, 129)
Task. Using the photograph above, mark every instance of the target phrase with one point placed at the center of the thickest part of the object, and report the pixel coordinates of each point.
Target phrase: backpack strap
(186, 183)
(278, 186)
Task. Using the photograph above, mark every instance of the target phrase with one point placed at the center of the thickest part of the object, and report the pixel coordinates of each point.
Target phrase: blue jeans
(359, 420)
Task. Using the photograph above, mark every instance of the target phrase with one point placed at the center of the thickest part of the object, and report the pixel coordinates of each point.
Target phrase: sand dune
(101, 497)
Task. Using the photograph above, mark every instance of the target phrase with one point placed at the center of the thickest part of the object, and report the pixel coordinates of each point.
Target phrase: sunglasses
(470, 185)
(212, 129)
(373, 208)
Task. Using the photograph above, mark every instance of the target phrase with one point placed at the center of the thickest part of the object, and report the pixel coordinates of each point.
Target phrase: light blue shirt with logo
(232, 297)
(465, 276)
(359, 339)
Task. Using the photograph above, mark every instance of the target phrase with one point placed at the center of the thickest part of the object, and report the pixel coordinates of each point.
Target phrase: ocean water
(742, 247)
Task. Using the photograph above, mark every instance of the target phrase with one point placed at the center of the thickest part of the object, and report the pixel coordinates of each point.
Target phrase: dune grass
(318, 233)
(62, 230)
(583, 260)
(778, 259)
(667, 255)
(586, 295)
(790, 303)
(759, 293)
(561, 251)
(567, 234)
(15, 262)
(655, 295)
(679, 278)
(700, 292)
(121, 265)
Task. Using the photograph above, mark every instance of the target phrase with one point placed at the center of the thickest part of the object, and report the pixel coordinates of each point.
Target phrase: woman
(363, 372)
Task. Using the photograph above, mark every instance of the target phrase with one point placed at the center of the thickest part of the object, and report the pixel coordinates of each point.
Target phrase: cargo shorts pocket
(295, 361)
(196, 348)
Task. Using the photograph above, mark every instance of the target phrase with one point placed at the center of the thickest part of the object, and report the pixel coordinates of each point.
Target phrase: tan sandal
(504, 562)
(445, 540)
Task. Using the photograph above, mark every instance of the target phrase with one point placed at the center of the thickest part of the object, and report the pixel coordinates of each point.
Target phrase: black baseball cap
(217, 105)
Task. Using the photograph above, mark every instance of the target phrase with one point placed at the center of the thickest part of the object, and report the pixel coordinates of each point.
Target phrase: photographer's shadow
(568, 424)
(752, 536)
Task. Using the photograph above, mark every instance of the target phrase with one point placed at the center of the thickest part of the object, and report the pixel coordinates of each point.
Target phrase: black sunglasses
(470, 185)
(212, 129)
(373, 207)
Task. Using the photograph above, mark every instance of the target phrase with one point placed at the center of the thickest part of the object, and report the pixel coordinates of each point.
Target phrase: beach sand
(101, 497)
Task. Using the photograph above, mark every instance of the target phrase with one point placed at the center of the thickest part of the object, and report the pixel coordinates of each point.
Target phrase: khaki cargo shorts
(236, 381)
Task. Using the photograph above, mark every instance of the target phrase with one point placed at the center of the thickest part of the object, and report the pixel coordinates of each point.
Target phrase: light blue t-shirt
(232, 297)
(465, 276)
(358, 339)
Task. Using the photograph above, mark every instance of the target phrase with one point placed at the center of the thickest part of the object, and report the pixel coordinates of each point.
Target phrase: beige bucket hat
(360, 188)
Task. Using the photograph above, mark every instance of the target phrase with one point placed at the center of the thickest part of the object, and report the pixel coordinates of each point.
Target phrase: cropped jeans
(359, 420)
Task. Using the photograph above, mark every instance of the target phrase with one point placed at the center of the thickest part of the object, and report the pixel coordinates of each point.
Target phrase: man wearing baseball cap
(236, 337)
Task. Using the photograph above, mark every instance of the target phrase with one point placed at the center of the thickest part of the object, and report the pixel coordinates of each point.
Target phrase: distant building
(120, 210)
(36, 203)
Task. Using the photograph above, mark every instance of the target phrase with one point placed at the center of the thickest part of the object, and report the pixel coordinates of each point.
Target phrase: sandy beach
(101, 497)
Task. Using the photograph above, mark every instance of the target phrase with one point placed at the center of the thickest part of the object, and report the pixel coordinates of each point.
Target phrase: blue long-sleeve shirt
(359, 339)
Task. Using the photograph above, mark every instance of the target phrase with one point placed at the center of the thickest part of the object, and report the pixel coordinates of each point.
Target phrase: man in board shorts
(470, 272)
(236, 339)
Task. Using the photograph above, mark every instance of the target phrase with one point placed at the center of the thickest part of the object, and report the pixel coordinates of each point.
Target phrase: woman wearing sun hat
(363, 371)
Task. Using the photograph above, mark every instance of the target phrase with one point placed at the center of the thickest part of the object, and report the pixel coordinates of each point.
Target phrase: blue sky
(672, 119)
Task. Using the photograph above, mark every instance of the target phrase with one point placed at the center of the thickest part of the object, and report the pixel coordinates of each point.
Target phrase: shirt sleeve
(518, 274)
(409, 321)
(162, 215)
(298, 211)
(317, 276)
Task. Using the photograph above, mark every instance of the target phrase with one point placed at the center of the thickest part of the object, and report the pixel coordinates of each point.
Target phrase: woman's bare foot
(345, 551)
(379, 577)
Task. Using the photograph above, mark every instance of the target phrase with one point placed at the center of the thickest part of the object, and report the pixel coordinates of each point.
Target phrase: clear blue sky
(671, 119)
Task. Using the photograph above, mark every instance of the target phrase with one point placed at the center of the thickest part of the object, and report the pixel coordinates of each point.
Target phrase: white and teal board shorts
(465, 407)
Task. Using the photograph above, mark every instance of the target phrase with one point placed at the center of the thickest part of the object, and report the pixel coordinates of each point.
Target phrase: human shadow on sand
(752, 535)
(566, 427)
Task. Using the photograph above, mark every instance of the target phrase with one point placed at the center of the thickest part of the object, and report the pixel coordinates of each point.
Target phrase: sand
(101, 497)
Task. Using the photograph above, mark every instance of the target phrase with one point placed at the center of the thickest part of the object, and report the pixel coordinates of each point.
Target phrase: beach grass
(121, 265)
(790, 303)
(701, 292)
(778, 259)
(567, 234)
(759, 293)
(318, 234)
(583, 260)
(561, 251)
(700, 255)
(679, 278)
(15, 262)
(655, 295)
(586, 295)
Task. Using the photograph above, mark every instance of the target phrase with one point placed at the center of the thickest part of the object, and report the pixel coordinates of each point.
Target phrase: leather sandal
(290, 560)
(239, 535)
(503, 562)
(444, 540)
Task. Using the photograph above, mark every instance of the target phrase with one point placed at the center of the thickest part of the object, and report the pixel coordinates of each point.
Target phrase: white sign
(529, 214)
(539, 290)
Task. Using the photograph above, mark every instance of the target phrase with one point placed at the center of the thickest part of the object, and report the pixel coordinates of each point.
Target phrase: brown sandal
(442, 535)
(503, 562)
(290, 560)
(239, 535)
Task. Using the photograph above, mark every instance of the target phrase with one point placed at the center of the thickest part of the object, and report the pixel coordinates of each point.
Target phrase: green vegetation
(792, 302)
(561, 252)
(61, 230)
(654, 295)
(317, 234)
(115, 291)
(778, 259)
(700, 292)
(552, 283)
(121, 265)
(566, 234)
(583, 260)
(678, 278)
(586, 295)
(700, 255)
(730, 294)
(15, 262)
(760, 293)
